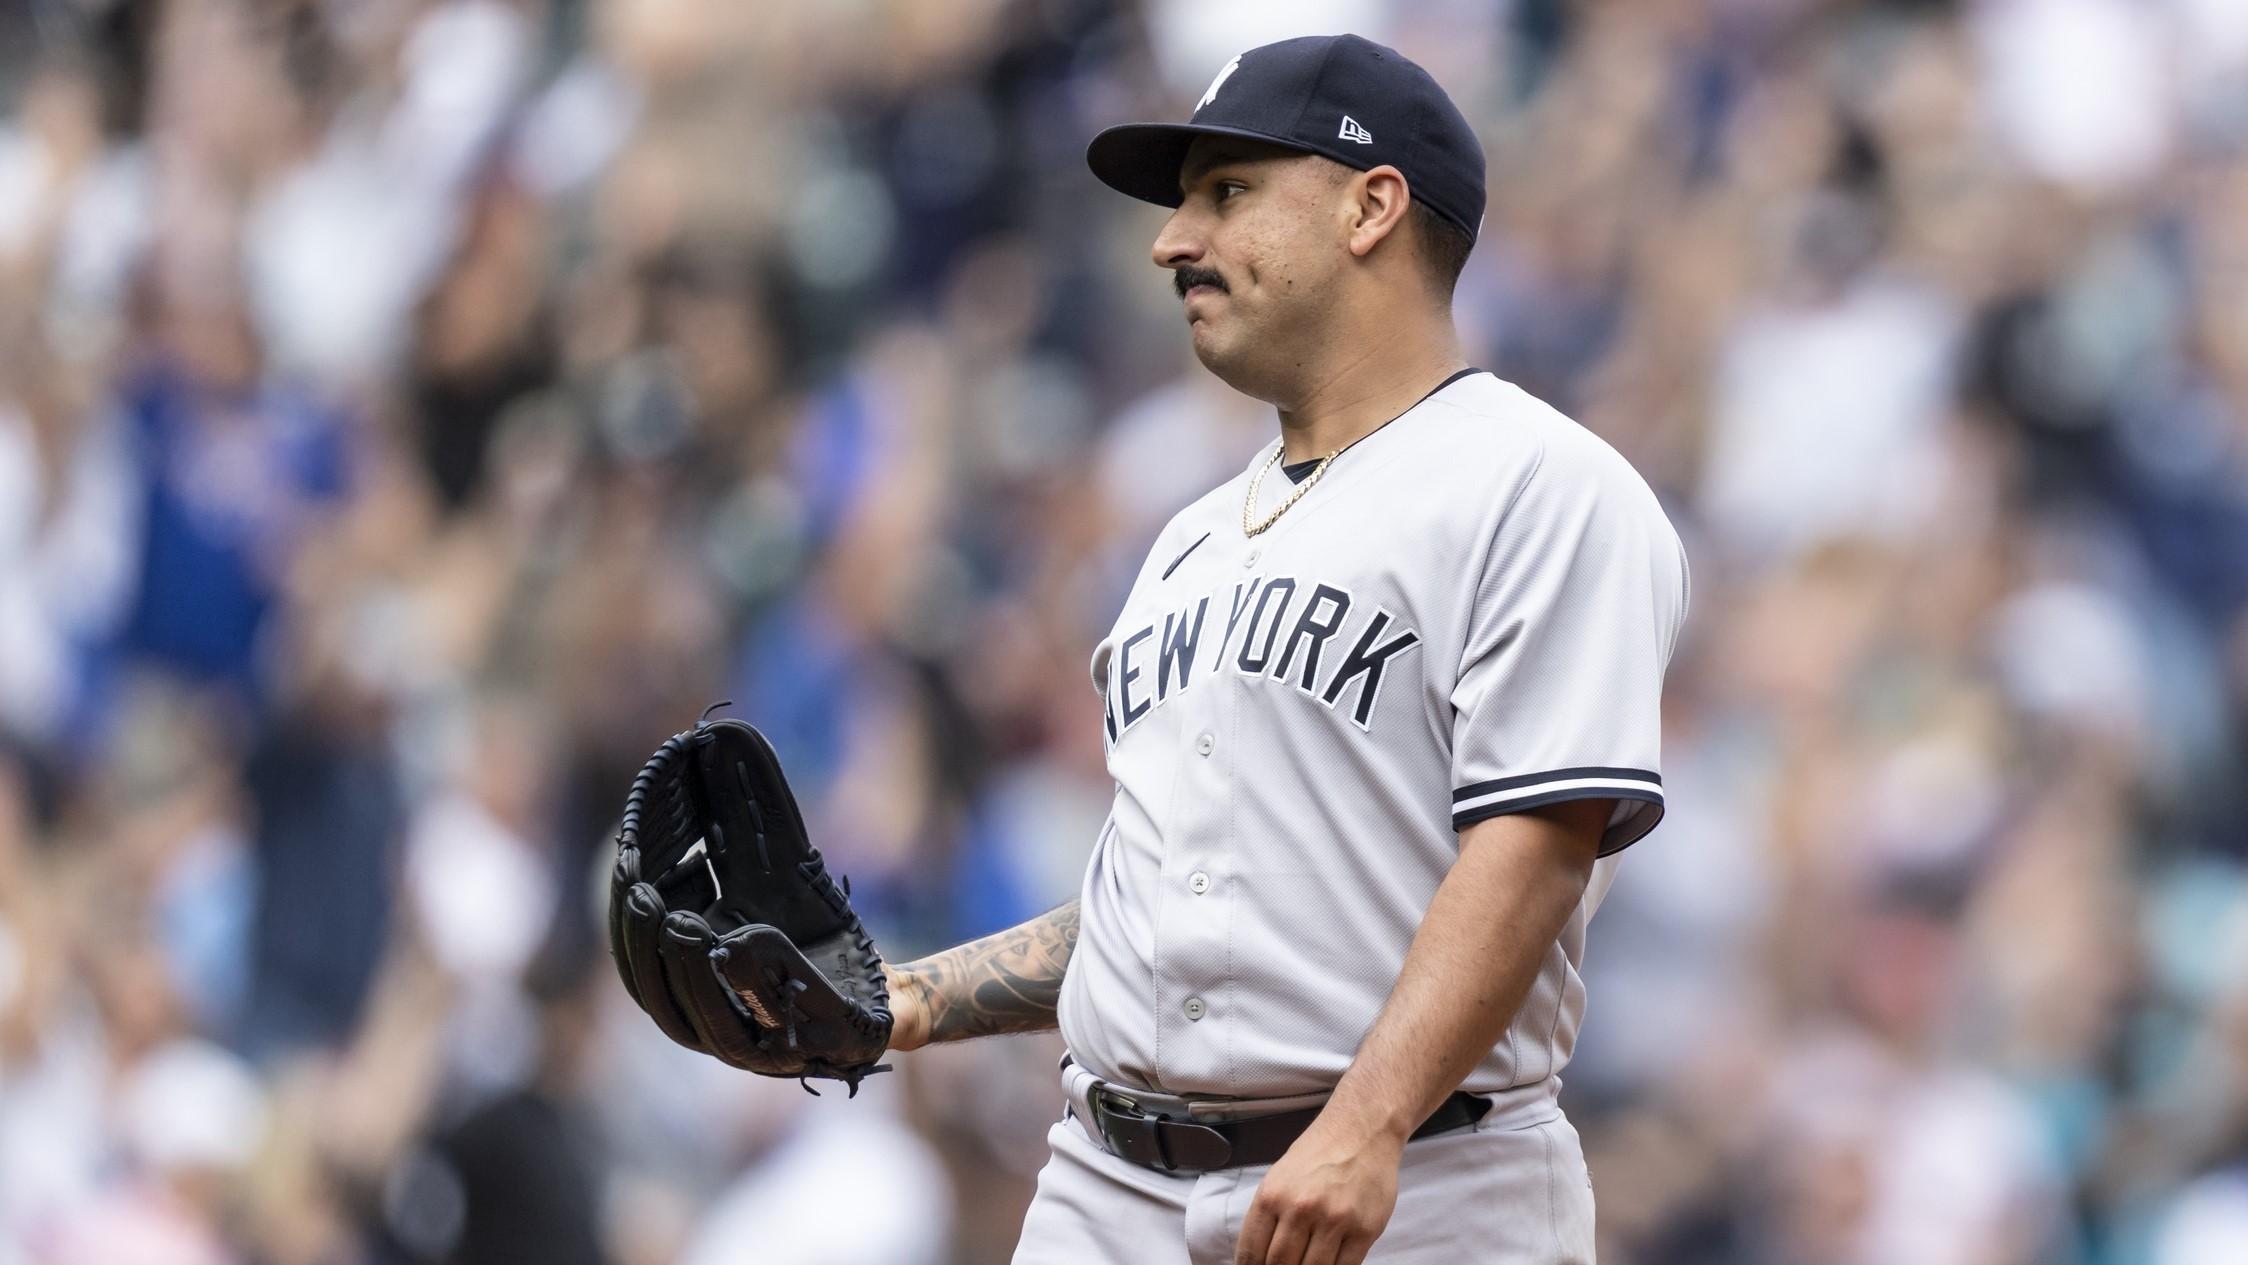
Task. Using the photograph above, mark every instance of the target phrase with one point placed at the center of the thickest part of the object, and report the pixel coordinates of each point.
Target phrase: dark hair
(1444, 248)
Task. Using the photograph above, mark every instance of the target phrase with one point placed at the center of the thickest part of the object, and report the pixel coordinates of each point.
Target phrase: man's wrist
(1366, 1115)
(909, 1011)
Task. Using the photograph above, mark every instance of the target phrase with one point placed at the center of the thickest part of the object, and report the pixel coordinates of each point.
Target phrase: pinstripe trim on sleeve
(1473, 803)
(1481, 794)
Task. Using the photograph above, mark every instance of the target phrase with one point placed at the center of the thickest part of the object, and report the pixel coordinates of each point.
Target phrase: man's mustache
(1185, 279)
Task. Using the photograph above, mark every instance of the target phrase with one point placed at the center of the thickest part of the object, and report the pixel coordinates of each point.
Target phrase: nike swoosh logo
(1182, 557)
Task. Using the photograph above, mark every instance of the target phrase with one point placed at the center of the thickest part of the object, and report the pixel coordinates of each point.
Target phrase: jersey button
(1251, 559)
(1205, 744)
(1198, 882)
(1194, 1008)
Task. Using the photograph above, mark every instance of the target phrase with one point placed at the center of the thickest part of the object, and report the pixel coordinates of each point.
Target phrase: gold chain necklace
(1249, 525)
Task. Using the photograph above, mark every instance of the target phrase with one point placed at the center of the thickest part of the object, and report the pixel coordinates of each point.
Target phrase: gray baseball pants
(1503, 1192)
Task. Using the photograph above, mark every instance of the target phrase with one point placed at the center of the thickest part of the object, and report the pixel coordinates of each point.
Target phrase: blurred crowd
(412, 411)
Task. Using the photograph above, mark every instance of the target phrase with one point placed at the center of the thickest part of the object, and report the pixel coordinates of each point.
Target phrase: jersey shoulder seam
(1537, 463)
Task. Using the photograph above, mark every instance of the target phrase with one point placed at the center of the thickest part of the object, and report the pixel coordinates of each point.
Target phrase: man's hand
(1327, 1199)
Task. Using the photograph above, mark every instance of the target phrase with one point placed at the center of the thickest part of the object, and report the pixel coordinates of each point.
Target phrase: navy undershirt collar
(1301, 470)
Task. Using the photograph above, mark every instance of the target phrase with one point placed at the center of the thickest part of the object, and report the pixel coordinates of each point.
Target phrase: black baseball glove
(725, 925)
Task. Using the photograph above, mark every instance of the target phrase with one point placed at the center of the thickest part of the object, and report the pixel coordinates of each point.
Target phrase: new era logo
(1353, 131)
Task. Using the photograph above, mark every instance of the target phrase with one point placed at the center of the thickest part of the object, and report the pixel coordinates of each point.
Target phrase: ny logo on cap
(1353, 130)
(1224, 73)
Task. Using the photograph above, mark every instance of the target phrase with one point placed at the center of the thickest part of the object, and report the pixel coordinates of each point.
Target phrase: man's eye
(1227, 188)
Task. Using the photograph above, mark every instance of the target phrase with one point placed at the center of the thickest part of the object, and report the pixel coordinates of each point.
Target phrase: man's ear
(1378, 209)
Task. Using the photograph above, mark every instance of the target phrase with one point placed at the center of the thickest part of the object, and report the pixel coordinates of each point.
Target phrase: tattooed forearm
(1008, 982)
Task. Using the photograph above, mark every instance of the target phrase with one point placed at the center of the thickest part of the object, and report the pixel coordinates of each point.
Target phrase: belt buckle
(1106, 1100)
(1110, 1108)
(1207, 1148)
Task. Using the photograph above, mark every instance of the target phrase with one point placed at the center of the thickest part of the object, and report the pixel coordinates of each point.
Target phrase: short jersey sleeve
(1578, 605)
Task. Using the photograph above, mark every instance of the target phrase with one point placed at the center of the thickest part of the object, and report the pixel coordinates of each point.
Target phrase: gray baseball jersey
(1469, 614)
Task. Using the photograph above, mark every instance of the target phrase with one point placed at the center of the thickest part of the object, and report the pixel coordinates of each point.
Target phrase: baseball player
(1381, 711)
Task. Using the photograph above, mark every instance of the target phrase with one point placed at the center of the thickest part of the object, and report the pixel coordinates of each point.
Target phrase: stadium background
(411, 411)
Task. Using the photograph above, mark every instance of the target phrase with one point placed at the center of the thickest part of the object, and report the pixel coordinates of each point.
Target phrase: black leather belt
(1173, 1144)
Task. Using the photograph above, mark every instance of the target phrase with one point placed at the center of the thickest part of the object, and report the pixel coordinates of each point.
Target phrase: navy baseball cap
(1339, 96)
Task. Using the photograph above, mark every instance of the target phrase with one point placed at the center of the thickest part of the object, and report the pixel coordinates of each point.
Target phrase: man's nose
(1180, 242)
